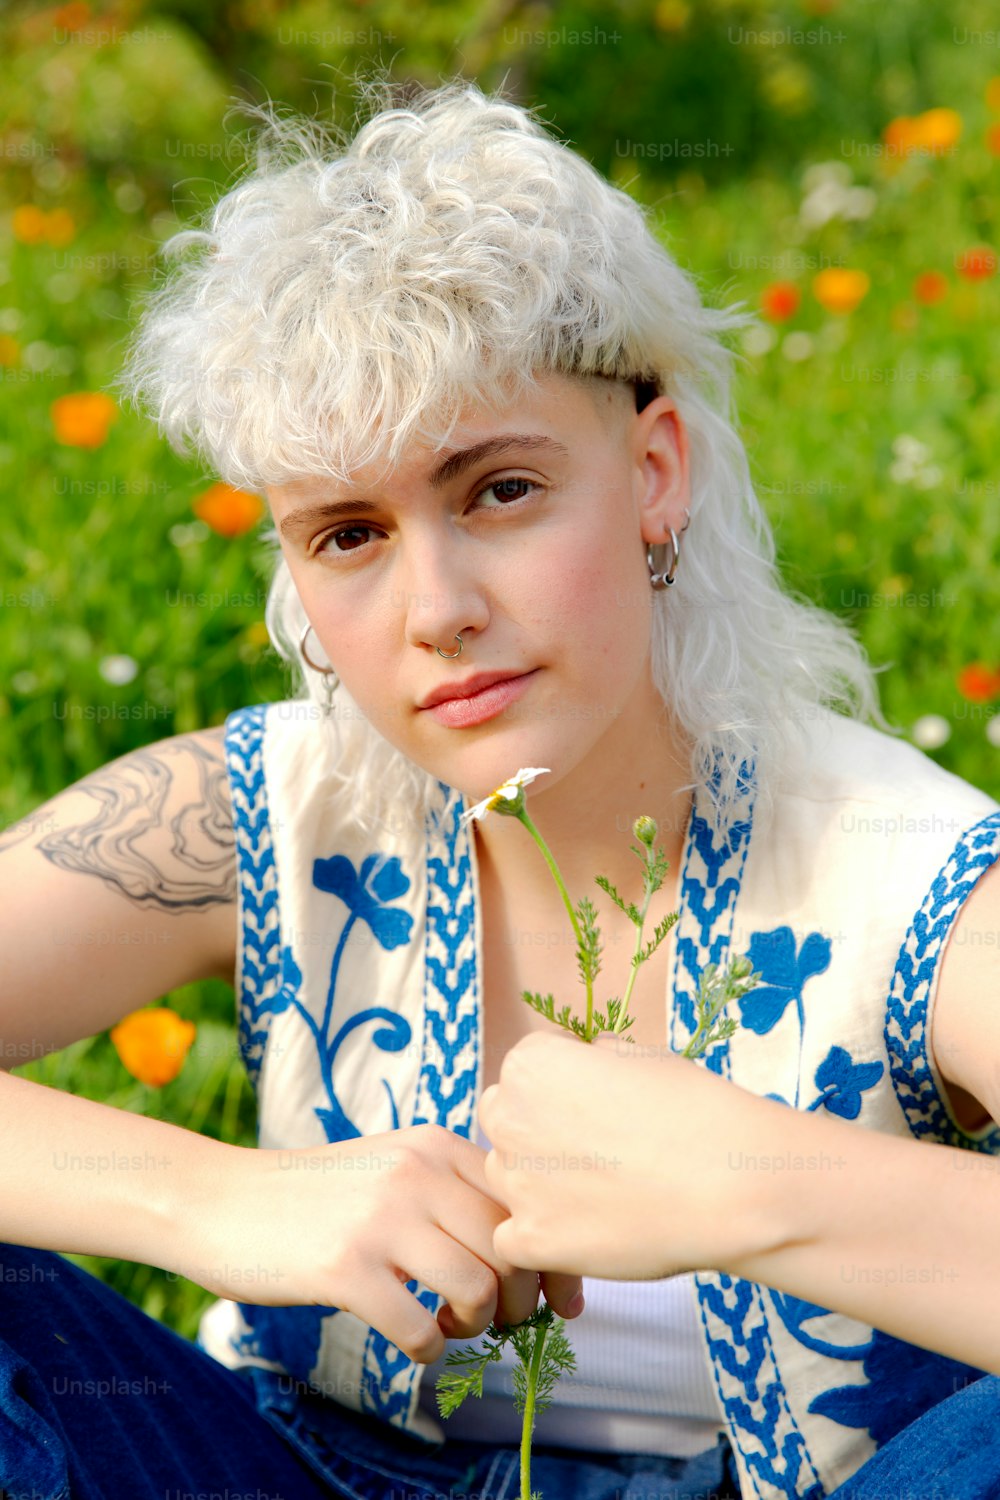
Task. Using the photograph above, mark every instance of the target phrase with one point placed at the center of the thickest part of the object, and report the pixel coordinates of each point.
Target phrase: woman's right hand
(347, 1225)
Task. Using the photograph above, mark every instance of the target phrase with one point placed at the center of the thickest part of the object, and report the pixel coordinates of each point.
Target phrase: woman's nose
(440, 601)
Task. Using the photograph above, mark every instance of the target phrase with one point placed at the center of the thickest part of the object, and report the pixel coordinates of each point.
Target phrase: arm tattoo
(132, 797)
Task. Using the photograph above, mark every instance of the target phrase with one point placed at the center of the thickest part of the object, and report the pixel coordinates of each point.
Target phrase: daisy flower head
(508, 799)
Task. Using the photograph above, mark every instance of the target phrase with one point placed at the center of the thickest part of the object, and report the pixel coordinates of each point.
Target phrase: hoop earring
(329, 674)
(661, 571)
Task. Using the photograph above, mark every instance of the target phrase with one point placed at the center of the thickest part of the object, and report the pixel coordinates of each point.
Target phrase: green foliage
(99, 552)
(715, 991)
(659, 933)
(545, 1006)
(588, 953)
(463, 1376)
(628, 907)
(557, 1358)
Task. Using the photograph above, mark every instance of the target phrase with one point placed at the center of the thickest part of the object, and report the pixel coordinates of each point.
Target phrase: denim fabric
(952, 1452)
(98, 1401)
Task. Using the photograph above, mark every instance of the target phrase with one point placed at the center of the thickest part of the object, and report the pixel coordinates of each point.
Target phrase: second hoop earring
(662, 570)
(329, 674)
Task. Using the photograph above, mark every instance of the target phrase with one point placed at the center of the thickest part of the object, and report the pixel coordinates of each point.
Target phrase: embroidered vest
(360, 1012)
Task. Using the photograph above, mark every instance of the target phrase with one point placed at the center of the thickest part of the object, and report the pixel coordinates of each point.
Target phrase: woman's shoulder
(842, 760)
(323, 782)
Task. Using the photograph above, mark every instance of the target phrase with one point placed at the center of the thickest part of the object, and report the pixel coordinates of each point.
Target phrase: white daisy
(118, 669)
(931, 731)
(510, 793)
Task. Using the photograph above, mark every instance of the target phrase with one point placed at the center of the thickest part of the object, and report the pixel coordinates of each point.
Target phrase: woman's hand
(617, 1165)
(347, 1225)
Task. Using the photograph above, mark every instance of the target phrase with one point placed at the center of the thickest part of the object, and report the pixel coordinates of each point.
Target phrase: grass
(103, 556)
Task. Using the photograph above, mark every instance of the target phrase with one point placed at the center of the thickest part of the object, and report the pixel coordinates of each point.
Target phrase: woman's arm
(897, 1233)
(80, 1176)
(115, 891)
(670, 1168)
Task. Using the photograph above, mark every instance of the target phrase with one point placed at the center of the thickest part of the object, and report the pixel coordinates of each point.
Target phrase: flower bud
(508, 800)
(645, 831)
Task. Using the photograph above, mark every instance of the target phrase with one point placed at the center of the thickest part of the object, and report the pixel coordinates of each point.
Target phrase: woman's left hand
(616, 1164)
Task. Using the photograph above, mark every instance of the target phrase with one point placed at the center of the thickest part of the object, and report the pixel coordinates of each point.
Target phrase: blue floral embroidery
(794, 1312)
(783, 974)
(365, 894)
(289, 1336)
(842, 1081)
(903, 1382)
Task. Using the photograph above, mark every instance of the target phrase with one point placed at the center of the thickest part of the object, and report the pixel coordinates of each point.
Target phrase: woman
(490, 416)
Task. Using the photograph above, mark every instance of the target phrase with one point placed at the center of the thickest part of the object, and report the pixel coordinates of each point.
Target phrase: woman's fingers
(383, 1302)
(559, 1290)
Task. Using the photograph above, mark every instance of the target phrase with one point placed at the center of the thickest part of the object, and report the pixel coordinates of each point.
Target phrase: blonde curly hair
(348, 296)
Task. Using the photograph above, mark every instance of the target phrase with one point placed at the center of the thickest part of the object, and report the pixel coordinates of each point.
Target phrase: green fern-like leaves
(557, 1356)
(465, 1367)
(659, 933)
(546, 1006)
(715, 992)
(588, 953)
(629, 907)
(464, 1377)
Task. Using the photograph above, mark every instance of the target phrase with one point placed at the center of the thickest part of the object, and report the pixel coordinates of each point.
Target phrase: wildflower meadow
(858, 224)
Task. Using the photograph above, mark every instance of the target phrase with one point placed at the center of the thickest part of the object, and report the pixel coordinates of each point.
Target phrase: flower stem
(543, 846)
(623, 1013)
(529, 1411)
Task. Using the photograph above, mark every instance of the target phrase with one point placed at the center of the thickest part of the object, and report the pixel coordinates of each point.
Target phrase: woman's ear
(661, 467)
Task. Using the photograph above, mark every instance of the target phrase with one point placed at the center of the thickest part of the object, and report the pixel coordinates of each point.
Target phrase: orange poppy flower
(9, 351)
(780, 300)
(978, 683)
(935, 132)
(29, 223)
(229, 512)
(82, 420)
(977, 264)
(59, 227)
(33, 226)
(73, 16)
(993, 140)
(900, 135)
(930, 287)
(939, 130)
(840, 290)
(153, 1044)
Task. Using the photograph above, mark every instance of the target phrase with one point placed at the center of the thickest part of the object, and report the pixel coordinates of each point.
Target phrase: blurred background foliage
(775, 144)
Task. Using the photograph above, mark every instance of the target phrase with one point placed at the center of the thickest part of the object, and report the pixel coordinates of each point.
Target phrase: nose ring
(451, 655)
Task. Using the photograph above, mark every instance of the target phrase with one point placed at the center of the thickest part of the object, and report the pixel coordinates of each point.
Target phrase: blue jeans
(98, 1401)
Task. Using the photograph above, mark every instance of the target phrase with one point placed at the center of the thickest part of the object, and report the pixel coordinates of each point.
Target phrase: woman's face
(527, 535)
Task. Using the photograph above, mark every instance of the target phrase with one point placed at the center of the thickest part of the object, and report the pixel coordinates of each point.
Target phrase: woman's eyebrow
(446, 470)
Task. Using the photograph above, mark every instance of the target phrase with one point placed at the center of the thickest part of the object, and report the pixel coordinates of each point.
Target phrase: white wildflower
(931, 731)
(118, 669)
(508, 798)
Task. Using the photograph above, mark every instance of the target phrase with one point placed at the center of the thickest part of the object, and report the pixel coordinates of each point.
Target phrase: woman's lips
(459, 713)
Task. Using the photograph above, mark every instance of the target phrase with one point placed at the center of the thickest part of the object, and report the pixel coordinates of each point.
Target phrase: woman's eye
(355, 538)
(345, 531)
(508, 489)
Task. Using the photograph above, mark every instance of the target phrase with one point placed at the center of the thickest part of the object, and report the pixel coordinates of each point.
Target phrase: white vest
(360, 1012)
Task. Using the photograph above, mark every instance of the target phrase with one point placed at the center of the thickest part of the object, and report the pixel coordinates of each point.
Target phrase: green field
(872, 433)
